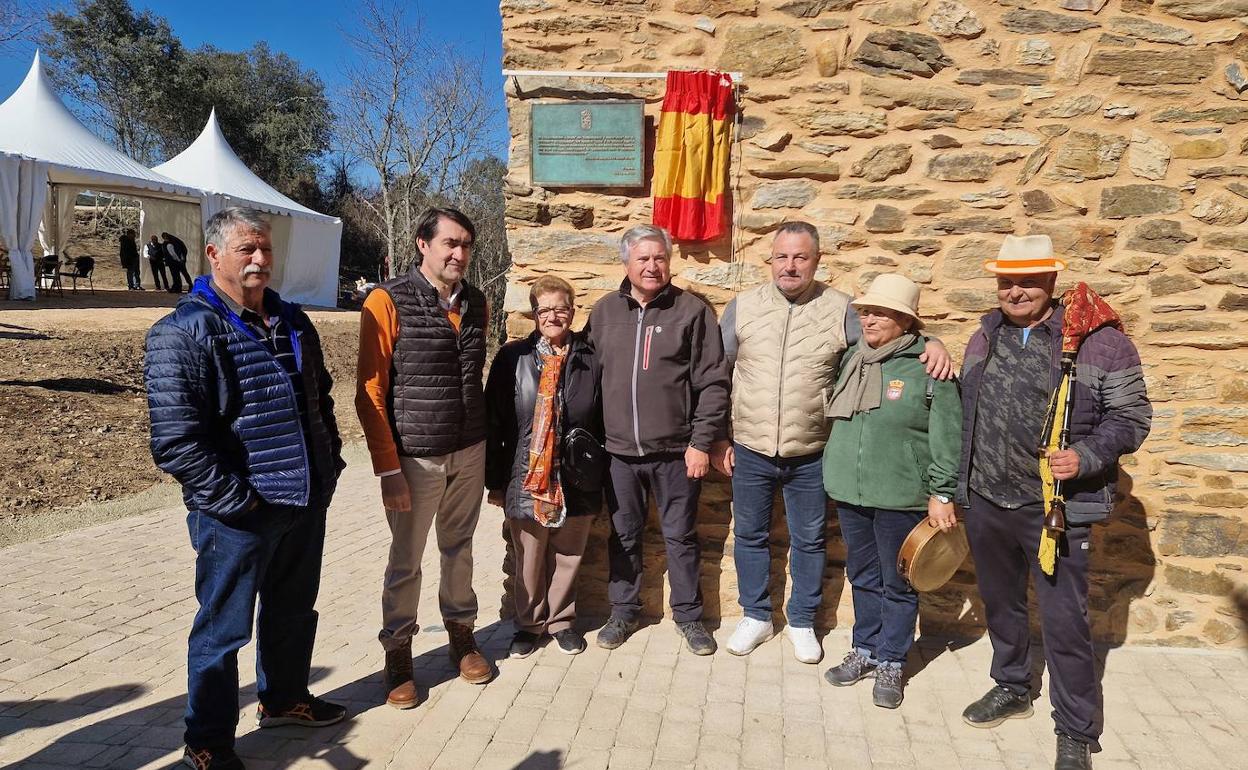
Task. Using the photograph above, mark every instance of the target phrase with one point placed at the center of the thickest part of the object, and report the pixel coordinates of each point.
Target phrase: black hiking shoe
(1072, 754)
(997, 705)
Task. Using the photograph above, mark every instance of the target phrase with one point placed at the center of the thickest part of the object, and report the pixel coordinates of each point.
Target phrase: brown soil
(73, 415)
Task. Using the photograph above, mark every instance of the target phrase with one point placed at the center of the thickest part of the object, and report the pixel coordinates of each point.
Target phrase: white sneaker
(749, 634)
(806, 647)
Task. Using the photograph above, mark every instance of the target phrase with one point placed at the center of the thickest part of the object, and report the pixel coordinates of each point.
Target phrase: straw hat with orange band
(1025, 255)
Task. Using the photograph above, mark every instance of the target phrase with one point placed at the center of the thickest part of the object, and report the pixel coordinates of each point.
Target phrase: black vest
(436, 401)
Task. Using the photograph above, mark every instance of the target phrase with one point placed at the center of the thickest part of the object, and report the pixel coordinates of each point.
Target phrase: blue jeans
(754, 481)
(273, 553)
(885, 606)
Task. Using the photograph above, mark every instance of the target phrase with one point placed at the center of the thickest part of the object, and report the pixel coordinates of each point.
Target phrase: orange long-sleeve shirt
(379, 331)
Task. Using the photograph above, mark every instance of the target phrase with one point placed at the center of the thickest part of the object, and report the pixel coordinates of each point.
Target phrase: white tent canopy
(36, 125)
(305, 244)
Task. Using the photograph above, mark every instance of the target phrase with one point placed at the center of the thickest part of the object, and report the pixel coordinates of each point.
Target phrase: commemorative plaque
(587, 144)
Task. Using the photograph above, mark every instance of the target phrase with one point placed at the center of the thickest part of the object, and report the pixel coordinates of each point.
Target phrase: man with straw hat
(1053, 395)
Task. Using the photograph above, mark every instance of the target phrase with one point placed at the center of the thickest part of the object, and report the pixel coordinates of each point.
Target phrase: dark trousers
(178, 271)
(676, 497)
(885, 606)
(134, 280)
(1004, 544)
(159, 277)
(273, 553)
(755, 478)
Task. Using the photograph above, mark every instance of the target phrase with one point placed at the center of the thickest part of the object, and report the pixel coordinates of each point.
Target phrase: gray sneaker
(854, 668)
(888, 685)
(615, 632)
(697, 639)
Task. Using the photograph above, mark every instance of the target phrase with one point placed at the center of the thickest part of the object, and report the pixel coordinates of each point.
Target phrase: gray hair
(224, 221)
(634, 235)
(799, 228)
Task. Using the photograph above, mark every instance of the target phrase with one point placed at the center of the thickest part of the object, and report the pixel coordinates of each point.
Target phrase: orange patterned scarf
(542, 480)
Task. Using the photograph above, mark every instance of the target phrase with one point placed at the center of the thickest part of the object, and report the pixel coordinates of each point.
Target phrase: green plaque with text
(587, 144)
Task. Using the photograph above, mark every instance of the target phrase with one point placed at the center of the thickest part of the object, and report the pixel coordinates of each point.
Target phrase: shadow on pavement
(541, 760)
(146, 734)
(16, 716)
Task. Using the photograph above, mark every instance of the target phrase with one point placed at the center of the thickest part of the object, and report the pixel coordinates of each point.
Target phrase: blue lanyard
(203, 287)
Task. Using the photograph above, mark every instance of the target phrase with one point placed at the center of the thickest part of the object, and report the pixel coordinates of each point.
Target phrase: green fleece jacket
(898, 455)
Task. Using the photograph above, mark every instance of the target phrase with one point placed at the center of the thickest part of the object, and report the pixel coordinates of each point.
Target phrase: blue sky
(310, 31)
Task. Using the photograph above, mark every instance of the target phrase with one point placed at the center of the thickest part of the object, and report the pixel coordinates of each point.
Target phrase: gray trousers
(446, 493)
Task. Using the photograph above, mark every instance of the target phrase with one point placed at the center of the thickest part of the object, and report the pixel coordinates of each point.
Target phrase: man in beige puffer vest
(785, 340)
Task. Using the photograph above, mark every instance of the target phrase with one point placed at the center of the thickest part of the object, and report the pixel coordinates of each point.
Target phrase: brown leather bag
(929, 556)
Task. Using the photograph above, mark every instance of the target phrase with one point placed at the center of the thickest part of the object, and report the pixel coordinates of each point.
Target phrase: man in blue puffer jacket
(242, 418)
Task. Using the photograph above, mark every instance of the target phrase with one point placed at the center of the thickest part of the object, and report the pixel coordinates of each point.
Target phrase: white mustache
(254, 270)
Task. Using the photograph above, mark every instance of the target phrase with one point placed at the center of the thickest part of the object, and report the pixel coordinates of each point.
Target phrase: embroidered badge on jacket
(895, 387)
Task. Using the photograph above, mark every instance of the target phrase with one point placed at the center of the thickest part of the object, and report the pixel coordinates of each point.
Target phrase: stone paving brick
(638, 728)
(93, 675)
(508, 756)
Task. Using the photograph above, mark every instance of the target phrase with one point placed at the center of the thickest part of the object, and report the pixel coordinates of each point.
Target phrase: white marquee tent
(305, 244)
(43, 147)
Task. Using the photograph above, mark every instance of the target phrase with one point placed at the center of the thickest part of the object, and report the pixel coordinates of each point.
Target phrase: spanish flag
(691, 155)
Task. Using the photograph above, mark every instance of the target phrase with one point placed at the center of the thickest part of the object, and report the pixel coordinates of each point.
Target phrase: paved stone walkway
(92, 674)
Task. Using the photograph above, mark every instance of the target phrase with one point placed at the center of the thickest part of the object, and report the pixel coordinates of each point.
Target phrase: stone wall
(915, 133)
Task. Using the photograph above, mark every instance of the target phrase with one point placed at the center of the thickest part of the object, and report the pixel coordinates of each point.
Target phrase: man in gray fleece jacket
(665, 390)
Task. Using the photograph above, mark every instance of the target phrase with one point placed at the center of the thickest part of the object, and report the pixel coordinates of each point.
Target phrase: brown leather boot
(473, 667)
(400, 689)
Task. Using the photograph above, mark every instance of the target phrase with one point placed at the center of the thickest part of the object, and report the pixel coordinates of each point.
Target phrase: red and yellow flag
(691, 155)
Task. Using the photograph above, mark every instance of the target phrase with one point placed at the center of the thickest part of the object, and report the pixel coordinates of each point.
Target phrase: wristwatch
(942, 499)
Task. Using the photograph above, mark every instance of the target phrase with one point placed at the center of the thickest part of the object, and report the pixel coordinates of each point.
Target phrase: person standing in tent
(242, 417)
(1020, 410)
(420, 400)
(175, 257)
(154, 252)
(130, 260)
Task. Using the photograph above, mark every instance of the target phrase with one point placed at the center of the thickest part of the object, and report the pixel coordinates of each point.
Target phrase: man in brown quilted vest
(420, 400)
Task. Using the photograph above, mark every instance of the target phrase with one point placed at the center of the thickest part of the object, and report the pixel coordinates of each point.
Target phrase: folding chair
(50, 273)
(83, 267)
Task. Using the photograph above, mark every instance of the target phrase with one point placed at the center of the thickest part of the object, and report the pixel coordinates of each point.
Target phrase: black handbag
(583, 462)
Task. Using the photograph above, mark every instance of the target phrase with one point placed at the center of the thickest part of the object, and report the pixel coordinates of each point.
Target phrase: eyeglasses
(561, 311)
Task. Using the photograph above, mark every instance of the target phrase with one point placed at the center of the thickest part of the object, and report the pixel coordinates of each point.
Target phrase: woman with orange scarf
(544, 463)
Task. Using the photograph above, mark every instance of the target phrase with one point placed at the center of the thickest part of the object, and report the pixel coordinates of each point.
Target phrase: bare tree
(415, 116)
(19, 21)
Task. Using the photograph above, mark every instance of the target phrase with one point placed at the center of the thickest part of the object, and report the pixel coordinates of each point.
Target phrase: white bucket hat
(895, 292)
(1025, 255)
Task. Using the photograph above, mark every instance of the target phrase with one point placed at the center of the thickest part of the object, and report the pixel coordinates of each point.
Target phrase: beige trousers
(446, 494)
(547, 561)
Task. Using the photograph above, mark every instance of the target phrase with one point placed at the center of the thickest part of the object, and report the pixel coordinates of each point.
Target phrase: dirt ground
(73, 415)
